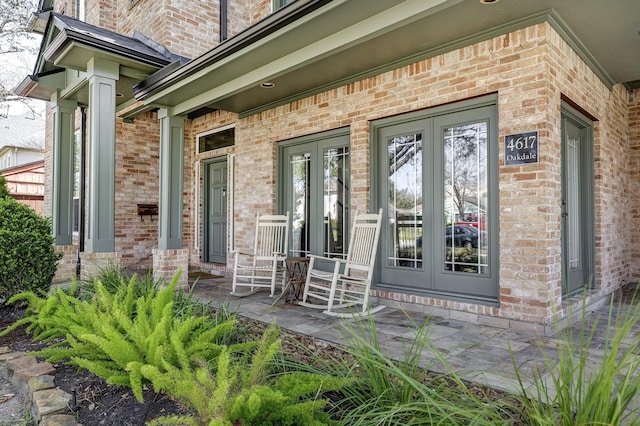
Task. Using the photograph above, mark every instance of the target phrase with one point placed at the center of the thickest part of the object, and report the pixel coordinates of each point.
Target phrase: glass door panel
(336, 201)
(300, 173)
(577, 205)
(404, 231)
(466, 244)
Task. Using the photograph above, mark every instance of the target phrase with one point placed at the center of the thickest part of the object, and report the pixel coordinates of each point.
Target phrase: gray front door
(577, 195)
(215, 224)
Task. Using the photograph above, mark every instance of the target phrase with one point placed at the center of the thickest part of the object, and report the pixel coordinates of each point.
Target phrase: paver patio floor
(478, 353)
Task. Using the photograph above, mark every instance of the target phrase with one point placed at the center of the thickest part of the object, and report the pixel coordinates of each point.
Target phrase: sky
(20, 125)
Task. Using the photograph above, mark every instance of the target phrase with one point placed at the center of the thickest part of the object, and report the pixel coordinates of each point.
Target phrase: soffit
(343, 41)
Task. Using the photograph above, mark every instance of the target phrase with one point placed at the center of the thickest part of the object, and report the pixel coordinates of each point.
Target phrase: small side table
(296, 277)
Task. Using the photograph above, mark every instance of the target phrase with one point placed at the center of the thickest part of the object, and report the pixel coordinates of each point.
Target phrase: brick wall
(137, 182)
(185, 27)
(633, 229)
(571, 77)
(529, 69)
(102, 13)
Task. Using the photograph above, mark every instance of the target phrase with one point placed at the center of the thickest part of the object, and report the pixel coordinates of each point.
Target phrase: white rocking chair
(260, 269)
(330, 290)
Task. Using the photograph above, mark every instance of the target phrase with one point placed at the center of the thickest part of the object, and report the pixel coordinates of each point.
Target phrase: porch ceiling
(335, 42)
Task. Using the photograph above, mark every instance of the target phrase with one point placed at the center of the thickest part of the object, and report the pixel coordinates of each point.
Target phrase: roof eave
(178, 71)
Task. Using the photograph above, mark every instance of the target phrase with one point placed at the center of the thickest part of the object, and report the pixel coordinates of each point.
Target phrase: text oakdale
(528, 156)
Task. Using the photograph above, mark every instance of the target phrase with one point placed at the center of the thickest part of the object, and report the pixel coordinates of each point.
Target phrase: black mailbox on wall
(147, 210)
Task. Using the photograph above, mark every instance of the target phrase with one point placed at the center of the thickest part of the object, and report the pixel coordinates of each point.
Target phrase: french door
(314, 186)
(436, 177)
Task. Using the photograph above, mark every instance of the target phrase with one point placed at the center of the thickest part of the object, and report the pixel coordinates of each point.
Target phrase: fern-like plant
(245, 389)
(114, 329)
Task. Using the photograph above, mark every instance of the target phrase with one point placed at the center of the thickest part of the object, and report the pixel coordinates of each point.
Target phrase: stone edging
(46, 403)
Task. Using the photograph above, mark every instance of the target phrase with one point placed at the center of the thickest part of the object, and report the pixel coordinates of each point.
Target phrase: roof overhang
(69, 45)
(314, 45)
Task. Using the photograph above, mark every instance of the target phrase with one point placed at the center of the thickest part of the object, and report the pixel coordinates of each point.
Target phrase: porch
(479, 353)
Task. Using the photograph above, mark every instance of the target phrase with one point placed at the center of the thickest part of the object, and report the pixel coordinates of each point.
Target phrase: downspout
(83, 145)
(223, 20)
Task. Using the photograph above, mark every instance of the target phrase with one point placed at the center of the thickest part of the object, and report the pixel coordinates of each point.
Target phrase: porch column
(102, 76)
(170, 256)
(62, 185)
(63, 115)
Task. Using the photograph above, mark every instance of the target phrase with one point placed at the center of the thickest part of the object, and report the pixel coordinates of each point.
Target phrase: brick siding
(529, 69)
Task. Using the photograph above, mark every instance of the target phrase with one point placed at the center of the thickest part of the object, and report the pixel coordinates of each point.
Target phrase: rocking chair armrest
(241, 253)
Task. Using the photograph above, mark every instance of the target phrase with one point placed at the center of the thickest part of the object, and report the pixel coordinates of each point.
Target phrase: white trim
(231, 241)
(196, 206)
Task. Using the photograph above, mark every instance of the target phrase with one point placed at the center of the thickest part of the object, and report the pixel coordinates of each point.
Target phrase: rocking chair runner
(330, 290)
(260, 269)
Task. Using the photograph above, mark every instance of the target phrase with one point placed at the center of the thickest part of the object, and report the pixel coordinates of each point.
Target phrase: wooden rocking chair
(349, 283)
(260, 269)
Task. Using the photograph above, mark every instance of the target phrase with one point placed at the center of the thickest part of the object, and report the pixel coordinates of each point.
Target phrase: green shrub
(27, 258)
(247, 389)
(108, 332)
(4, 193)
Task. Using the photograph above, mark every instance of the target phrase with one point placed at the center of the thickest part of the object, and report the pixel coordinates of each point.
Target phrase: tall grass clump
(389, 392)
(593, 380)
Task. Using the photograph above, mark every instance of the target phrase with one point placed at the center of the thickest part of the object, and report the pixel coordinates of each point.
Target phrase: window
(219, 138)
(435, 174)
(279, 4)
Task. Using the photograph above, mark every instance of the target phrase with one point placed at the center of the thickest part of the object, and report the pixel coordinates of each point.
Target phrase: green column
(102, 76)
(171, 180)
(63, 112)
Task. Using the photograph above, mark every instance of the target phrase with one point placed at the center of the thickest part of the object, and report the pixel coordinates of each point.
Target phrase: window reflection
(300, 172)
(465, 202)
(405, 201)
(336, 202)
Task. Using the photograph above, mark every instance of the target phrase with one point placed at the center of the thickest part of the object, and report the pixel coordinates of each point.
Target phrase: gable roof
(69, 44)
(63, 31)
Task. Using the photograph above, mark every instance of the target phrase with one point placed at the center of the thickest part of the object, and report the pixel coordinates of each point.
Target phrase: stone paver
(477, 350)
(48, 405)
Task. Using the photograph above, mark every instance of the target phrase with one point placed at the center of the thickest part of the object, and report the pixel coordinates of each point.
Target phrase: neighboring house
(206, 112)
(22, 134)
(25, 183)
(12, 156)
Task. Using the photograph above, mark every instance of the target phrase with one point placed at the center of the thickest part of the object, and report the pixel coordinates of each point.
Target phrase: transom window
(216, 139)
